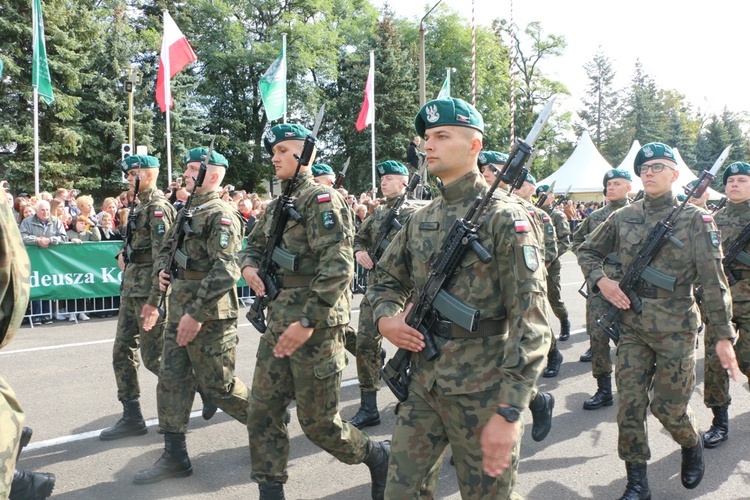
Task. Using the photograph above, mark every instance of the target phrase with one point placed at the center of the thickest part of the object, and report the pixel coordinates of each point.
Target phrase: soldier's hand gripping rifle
(463, 237)
(340, 176)
(380, 243)
(736, 253)
(182, 228)
(131, 226)
(542, 199)
(657, 238)
(274, 255)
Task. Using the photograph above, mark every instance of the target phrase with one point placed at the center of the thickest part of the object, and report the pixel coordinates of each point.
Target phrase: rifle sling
(184, 274)
(655, 292)
(293, 281)
(487, 328)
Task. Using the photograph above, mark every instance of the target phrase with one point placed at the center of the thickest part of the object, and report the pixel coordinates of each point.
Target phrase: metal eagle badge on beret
(270, 137)
(735, 169)
(329, 221)
(432, 113)
(647, 152)
(482, 158)
(530, 258)
(381, 170)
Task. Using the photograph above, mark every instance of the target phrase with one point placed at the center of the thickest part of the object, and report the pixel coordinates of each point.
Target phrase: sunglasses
(655, 167)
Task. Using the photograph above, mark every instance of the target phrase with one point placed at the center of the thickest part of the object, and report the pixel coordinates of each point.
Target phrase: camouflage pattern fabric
(323, 244)
(209, 360)
(554, 290)
(140, 285)
(550, 240)
(14, 295)
(730, 220)
(596, 306)
(368, 338)
(657, 346)
(475, 373)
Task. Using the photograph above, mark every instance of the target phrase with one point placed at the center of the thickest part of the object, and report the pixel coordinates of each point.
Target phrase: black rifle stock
(657, 238)
(722, 203)
(391, 221)
(735, 252)
(128, 248)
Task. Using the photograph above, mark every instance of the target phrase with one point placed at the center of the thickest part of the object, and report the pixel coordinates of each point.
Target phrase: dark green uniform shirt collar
(304, 175)
(470, 185)
(616, 205)
(389, 202)
(202, 198)
(660, 202)
(738, 208)
(145, 196)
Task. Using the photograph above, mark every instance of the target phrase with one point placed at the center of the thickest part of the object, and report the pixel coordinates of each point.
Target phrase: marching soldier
(617, 185)
(140, 294)
(471, 395)
(323, 174)
(656, 347)
(301, 354)
(730, 220)
(200, 338)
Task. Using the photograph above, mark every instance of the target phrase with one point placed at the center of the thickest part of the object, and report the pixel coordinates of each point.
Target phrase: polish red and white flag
(176, 53)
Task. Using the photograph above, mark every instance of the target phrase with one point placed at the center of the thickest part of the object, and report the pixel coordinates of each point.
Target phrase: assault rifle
(543, 196)
(379, 244)
(433, 300)
(722, 203)
(131, 226)
(273, 254)
(736, 253)
(340, 176)
(561, 198)
(657, 238)
(639, 196)
(182, 228)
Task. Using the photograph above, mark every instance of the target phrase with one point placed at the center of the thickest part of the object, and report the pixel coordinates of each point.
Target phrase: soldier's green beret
(284, 132)
(736, 168)
(616, 173)
(391, 167)
(652, 151)
(197, 154)
(448, 111)
(494, 157)
(530, 178)
(321, 169)
(138, 161)
(542, 189)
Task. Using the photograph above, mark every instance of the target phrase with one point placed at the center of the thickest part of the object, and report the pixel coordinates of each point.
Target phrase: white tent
(627, 164)
(583, 171)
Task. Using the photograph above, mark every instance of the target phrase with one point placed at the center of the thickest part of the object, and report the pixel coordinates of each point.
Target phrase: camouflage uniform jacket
(612, 269)
(322, 242)
(14, 277)
(32, 228)
(562, 229)
(370, 228)
(154, 217)
(509, 363)
(699, 260)
(212, 249)
(550, 241)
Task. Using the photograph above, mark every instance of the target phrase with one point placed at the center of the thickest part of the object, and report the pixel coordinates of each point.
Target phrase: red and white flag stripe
(176, 53)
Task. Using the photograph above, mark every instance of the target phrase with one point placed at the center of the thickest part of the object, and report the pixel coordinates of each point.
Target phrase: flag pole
(167, 94)
(283, 45)
(372, 132)
(36, 140)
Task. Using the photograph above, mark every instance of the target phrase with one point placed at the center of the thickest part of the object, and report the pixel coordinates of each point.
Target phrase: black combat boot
(367, 415)
(693, 466)
(131, 423)
(719, 431)
(273, 491)
(586, 356)
(541, 415)
(26, 433)
(564, 329)
(377, 461)
(637, 488)
(174, 462)
(554, 360)
(31, 485)
(603, 396)
(209, 409)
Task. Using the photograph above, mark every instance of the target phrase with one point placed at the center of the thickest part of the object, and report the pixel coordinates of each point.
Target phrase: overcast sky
(699, 49)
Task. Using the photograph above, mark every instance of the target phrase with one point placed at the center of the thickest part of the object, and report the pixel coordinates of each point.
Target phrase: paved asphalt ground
(62, 374)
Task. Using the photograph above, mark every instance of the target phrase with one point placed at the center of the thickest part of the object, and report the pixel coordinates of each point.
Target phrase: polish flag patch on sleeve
(522, 226)
(226, 221)
(545, 218)
(707, 218)
(323, 198)
(158, 213)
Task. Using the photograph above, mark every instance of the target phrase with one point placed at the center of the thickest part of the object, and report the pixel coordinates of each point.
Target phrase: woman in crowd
(25, 210)
(85, 204)
(108, 229)
(83, 232)
(109, 206)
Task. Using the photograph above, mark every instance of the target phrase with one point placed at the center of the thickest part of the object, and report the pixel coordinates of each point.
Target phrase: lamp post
(422, 92)
(134, 78)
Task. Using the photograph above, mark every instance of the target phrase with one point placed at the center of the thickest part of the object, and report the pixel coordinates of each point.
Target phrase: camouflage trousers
(601, 359)
(666, 363)
(554, 290)
(129, 337)
(368, 349)
(427, 422)
(312, 375)
(715, 378)
(11, 424)
(207, 362)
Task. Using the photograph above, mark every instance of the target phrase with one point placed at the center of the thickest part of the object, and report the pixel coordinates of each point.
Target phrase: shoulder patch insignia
(158, 213)
(224, 240)
(707, 218)
(545, 218)
(715, 239)
(324, 198)
(329, 220)
(530, 257)
(532, 213)
(521, 226)
(160, 229)
(226, 221)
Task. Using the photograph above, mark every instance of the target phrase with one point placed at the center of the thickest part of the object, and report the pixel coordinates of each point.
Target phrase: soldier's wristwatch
(305, 322)
(509, 413)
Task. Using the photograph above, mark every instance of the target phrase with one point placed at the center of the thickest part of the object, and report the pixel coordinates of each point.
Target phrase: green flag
(273, 88)
(40, 69)
(445, 90)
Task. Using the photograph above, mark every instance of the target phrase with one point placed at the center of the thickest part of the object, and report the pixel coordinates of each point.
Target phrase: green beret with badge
(530, 179)
(448, 111)
(138, 161)
(321, 169)
(197, 155)
(542, 189)
(616, 173)
(736, 168)
(653, 151)
(494, 157)
(391, 167)
(284, 132)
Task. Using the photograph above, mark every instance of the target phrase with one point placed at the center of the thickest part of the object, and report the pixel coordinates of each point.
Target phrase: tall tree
(644, 113)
